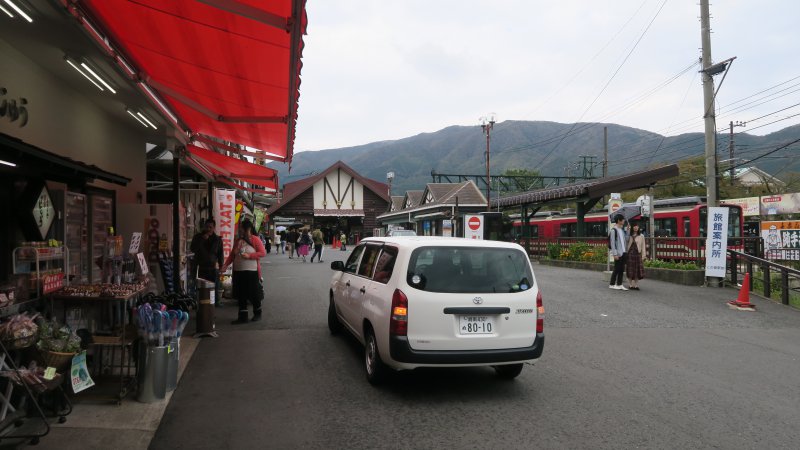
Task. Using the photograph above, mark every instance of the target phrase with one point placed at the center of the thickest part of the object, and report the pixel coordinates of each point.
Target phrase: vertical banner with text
(225, 215)
(717, 242)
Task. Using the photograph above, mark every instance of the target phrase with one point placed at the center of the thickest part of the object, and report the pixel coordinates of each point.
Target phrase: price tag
(142, 263)
(136, 240)
(49, 373)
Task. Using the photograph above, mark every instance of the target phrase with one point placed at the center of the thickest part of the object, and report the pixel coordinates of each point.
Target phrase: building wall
(373, 207)
(338, 181)
(63, 121)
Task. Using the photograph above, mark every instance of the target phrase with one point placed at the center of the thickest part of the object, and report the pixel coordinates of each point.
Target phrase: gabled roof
(295, 188)
(466, 194)
(412, 199)
(397, 202)
(763, 176)
(435, 191)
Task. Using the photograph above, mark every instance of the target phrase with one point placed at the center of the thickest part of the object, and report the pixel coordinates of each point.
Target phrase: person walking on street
(637, 253)
(316, 236)
(247, 287)
(343, 239)
(304, 244)
(618, 241)
(281, 238)
(207, 249)
(291, 241)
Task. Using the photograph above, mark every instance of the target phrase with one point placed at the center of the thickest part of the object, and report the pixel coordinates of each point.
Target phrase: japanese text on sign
(716, 242)
(781, 240)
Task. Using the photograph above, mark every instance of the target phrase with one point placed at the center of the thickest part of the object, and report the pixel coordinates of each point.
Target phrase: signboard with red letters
(52, 282)
(474, 226)
(225, 216)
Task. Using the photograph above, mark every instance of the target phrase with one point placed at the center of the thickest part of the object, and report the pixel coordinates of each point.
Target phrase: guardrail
(685, 249)
(761, 271)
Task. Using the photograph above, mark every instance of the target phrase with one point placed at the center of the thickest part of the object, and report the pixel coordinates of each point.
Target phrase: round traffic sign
(474, 223)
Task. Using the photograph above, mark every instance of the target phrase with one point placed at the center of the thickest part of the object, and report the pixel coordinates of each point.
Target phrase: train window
(734, 222)
(687, 227)
(568, 230)
(534, 230)
(666, 227)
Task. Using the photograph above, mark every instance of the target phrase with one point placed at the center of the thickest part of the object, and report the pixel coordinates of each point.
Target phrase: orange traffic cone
(743, 302)
(335, 244)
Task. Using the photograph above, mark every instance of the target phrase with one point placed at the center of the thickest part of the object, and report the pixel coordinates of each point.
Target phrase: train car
(681, 219)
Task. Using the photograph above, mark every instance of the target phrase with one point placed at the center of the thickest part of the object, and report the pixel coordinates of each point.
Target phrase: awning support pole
(581, 210)
(176, 222)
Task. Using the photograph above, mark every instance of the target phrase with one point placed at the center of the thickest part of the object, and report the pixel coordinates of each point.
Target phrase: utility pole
(605, 152)
(709, 115)
(730, 147)
(487, 123)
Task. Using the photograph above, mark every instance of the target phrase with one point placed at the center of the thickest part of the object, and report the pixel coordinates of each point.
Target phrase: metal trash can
(173, 361)
(152, 374)
(206, 293)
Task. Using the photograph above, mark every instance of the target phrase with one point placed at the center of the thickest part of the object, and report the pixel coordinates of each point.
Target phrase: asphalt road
(664, 367)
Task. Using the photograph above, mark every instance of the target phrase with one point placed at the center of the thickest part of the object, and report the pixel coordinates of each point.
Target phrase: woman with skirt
(637, 253)
(245, 256)
(303, 244)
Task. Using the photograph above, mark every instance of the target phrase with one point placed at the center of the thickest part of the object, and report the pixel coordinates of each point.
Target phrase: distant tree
(525, 179)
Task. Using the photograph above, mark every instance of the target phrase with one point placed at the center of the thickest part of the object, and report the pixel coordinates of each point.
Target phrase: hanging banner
(225, 215)
(781, 240)
(447, 228)
(79, 373)
(717, 242)
(780, 204)
(750, 205)
(473, 226)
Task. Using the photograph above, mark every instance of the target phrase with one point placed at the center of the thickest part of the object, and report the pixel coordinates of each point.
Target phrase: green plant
(661, 264)
(553, 251)
(55, 338)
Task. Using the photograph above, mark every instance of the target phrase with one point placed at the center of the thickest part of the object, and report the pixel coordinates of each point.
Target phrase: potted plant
(57, 344)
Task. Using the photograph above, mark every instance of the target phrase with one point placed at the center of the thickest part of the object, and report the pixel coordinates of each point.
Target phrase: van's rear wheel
(508, 371)
(333, 320)
(375, 369)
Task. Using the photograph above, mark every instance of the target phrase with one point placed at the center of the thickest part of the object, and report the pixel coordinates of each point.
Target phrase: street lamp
(487, 123)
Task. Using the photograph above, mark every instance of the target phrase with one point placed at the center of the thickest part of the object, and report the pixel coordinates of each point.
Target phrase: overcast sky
(380, 70)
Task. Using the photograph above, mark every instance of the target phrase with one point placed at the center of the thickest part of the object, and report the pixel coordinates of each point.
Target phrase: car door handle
(363, 289)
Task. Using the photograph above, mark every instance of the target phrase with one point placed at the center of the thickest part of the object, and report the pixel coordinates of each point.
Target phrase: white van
(438, 302)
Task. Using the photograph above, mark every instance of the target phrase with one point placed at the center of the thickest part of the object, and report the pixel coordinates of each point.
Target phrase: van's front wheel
(508, 371)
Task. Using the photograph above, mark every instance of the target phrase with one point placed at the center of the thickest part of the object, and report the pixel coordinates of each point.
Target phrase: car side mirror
(337, 265)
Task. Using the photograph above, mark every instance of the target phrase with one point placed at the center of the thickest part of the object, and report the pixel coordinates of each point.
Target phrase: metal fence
(769, 278)
(683, 249)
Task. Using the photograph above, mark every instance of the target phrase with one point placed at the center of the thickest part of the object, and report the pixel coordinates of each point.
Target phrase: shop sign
(781, 240)
(43, 212)
(52, 282)
(474, 228)
(136, 241)
(447, 228)
(13, 109)
(225, 215)
(750, 205)
(780, 204)
(717, 242)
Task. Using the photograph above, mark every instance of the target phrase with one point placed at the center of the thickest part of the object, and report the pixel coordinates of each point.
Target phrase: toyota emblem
(477, 300)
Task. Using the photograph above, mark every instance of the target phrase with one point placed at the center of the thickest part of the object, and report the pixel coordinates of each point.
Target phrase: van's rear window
(469, 270)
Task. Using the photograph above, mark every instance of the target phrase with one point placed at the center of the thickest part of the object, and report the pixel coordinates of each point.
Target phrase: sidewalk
(98, 424)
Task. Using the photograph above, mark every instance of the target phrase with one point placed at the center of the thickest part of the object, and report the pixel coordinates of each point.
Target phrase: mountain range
(550, 148)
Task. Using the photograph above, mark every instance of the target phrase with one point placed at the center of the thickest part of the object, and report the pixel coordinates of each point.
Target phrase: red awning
(232, 171)
(229, 68)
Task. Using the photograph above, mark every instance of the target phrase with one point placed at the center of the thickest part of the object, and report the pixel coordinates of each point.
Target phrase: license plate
(476, 325)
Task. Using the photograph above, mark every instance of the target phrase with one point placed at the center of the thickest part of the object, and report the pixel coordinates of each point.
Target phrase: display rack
(33, 261)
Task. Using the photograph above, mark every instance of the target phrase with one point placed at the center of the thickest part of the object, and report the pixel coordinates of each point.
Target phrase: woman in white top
(245, 256)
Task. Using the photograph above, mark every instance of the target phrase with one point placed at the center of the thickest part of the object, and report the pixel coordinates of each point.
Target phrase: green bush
(553, 251)
(660, 264)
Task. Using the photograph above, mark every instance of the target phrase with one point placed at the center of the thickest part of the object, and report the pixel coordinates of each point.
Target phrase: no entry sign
(474, 228)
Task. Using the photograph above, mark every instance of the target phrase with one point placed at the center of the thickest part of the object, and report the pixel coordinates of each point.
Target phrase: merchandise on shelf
(102, 290)
(19, 331)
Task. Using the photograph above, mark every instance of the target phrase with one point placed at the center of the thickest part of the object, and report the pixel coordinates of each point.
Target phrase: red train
(678, 218)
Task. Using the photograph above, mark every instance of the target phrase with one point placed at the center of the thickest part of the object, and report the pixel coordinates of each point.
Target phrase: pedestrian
(207, 249)
(617, 241)
(343, 240)
(316, 236)
(247, 286)
(291, 241)
(282, 240)
(637, 253)
(304, 243)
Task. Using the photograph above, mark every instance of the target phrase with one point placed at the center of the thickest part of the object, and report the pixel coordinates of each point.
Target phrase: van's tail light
(398, 325)
(539, 313)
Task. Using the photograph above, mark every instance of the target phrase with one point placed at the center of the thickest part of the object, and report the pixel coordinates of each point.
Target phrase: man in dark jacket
(207, 249)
